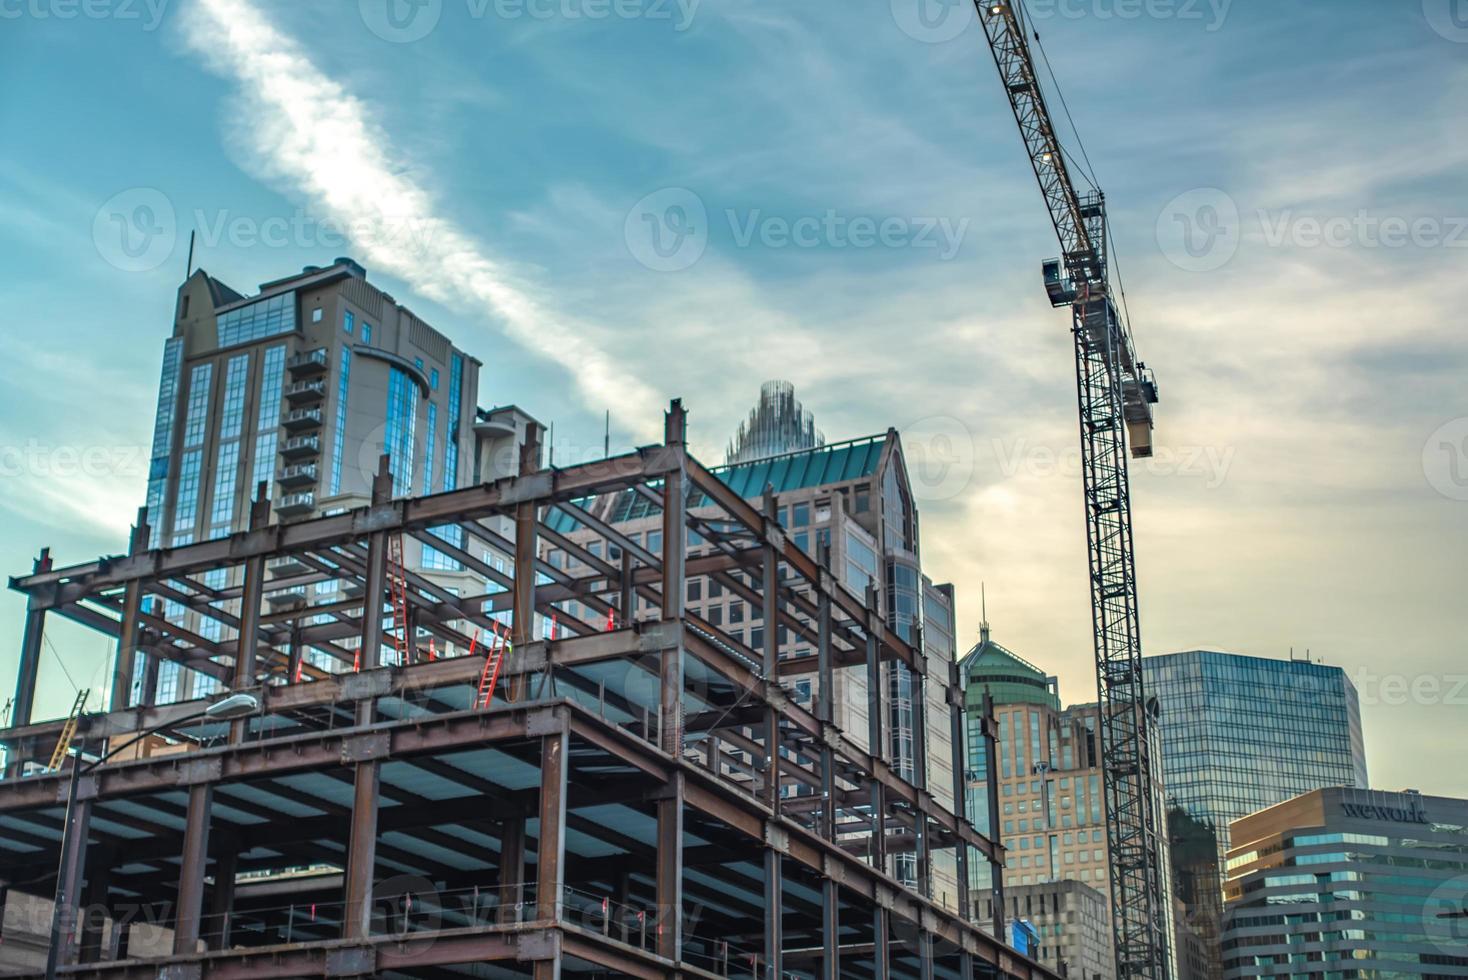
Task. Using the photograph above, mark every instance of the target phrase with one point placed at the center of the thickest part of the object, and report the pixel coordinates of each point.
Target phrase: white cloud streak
(306, 130)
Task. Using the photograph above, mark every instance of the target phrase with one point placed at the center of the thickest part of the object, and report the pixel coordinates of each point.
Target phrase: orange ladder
(494, 658)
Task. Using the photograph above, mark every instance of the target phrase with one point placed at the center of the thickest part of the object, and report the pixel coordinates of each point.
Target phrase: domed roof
(1009, 678)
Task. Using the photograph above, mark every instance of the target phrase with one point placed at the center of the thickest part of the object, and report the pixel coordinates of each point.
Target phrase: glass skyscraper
(1241, 734)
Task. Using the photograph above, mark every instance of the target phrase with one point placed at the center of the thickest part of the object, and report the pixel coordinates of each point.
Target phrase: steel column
(221, 901)
(881, 950)
(73, 860)
(362, 852)
(512, 868)
(30, 666)
(550, 850)
(991, 769)
(191, 871)
(94, 902)
(774, 907)
(960, 792)
(830, 930)
(670, 701)
(670, 871)
(771, 652)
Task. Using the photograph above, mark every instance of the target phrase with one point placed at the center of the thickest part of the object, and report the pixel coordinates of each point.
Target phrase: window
(366, 333)
(262, 318)
(402, 418)
(267, 419)
(186, 506)
(800, 515)
(232, 416)
(226, 474)
(695, 589)
(451, 423)
(197, 416)
(736, 612)
(433, 379)
(418, 363)
(428, 449)
(316, 315)
(347, 322)
(344, 375)
(655, 542)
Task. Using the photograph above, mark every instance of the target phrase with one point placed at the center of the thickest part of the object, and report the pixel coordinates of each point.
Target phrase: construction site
(470, 715)
(638, 796)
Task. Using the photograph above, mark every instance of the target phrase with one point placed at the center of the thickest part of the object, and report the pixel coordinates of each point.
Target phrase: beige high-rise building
(298, 391)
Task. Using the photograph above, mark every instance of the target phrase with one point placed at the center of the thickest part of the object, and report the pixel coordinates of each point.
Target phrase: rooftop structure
(777, 424)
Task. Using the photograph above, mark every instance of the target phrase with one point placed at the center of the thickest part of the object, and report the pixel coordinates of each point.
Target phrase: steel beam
(670, 871)
(512, 869)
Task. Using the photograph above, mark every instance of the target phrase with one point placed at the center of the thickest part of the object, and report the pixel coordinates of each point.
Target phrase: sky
(617, 202)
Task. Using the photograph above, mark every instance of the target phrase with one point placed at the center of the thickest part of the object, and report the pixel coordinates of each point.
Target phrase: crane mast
(1115, 394)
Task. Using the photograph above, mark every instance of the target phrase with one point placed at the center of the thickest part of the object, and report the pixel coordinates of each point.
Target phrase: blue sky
(840, 198)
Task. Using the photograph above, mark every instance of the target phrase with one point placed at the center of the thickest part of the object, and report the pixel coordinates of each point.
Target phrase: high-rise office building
(300, 389)
(1349, 883)
(1240, 734)
(1051, 797)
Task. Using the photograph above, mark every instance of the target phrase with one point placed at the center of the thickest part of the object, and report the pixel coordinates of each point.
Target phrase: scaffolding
(640, 797)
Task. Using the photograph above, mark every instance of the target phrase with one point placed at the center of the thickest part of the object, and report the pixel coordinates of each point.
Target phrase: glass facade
(1349, 883)
(1240, 734)
(267, 422)
(1244, 733)
(262, 318)
(402, 417)
(338, 438)
(172, 373)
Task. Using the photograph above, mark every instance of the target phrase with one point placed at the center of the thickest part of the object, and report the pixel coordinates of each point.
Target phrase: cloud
(307, 131)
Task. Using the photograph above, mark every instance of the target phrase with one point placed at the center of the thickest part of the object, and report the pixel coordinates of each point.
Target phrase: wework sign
(1408, 813)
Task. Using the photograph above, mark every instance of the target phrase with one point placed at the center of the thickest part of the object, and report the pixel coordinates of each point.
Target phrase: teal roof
(1009, 677)
(834, 463)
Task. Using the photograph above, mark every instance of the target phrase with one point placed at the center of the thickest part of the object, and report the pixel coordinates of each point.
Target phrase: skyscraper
(1240, 734)
(777, 424)
(298, 391)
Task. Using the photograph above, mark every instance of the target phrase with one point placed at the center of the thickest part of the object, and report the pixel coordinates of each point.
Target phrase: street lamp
(230, 708)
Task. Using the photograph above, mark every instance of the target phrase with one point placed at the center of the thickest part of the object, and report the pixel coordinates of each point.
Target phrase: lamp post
(232, 707)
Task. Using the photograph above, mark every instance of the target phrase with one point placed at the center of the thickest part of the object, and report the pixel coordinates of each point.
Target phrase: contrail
(309, 131)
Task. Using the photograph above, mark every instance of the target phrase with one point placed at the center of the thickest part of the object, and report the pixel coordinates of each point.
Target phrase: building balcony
(301, 447)
(300, 475)
(287, 566)
(296, 504)
(308, 363)
(293, 598)
(305, 392)
(302, 418)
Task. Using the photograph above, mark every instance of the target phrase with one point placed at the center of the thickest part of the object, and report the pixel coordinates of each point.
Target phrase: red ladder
(494, 658)
(397, 590)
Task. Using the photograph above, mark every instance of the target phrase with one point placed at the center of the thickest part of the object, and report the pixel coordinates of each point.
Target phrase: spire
(984, 615)
(777, 424)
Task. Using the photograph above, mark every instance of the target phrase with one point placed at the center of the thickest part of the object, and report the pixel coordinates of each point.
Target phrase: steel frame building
(618, 810)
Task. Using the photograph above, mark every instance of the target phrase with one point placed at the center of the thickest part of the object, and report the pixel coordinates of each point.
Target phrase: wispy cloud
(307, 131)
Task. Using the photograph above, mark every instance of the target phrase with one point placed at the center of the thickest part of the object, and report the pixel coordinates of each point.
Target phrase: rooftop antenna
(190, 270)
(606, 439)
(552, 444)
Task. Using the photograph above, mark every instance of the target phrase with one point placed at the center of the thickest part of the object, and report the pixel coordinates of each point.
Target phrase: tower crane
(1116, 393)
